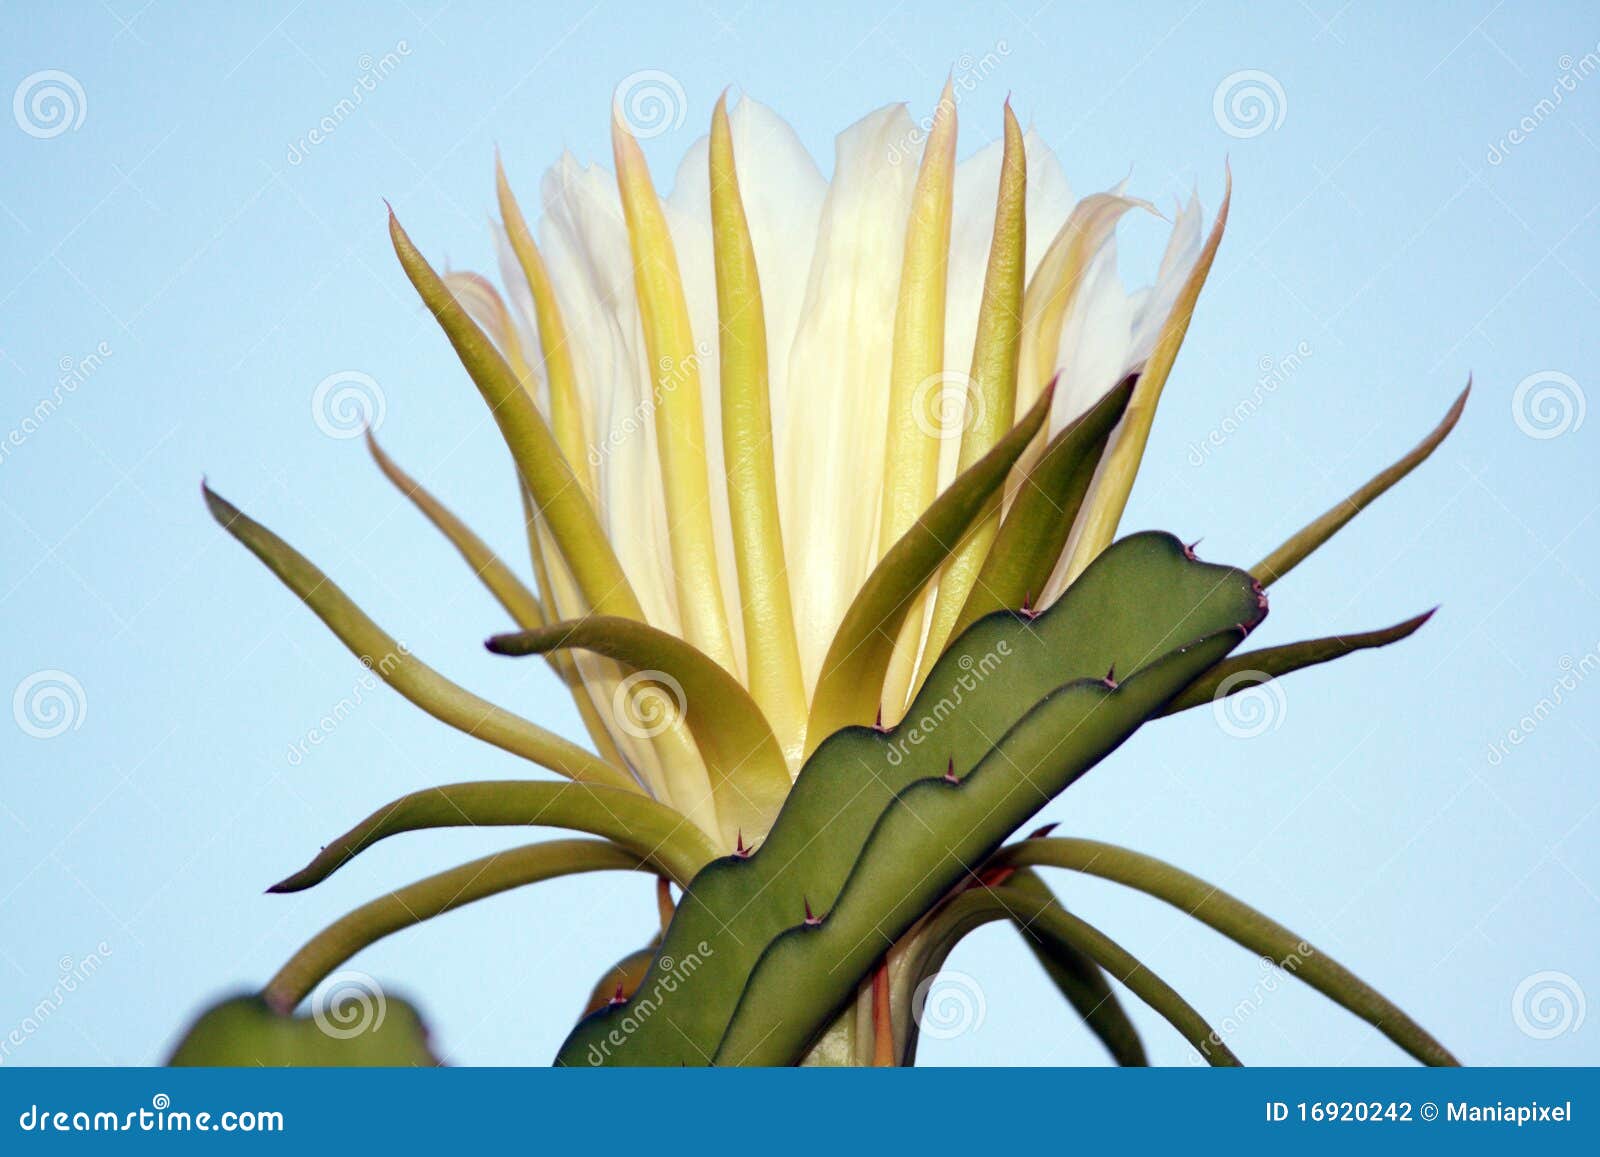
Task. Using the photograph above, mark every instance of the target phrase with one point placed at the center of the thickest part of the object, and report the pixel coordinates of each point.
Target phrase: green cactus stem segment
(246, 1032)
(1144, 599)
(931, 836)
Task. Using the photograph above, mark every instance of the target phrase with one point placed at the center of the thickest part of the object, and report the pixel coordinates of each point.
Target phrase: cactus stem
(882, 1018)
(665, 908)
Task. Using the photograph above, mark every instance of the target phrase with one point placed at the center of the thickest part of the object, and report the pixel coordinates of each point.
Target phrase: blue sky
(1418, 205)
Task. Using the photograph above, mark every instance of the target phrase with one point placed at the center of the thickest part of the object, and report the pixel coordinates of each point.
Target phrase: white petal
(1096, 339)
(519, 298)
(688, 214)
(1112, 335)
(1050, 198)
(1096, 349)
(518, 302)
(1183, 249)
(585, 243)
(783, 192)
(482, 301)
(831, 447)
(977, 182)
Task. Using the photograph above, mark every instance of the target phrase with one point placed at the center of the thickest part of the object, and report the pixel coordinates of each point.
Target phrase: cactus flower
(728, 407)
(822, 481)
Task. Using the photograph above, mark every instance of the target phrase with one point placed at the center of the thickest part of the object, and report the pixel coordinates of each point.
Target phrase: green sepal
(1240, 672)
(1035, 530)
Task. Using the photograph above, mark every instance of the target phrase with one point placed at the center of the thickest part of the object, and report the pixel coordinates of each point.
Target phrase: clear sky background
(1384, 224)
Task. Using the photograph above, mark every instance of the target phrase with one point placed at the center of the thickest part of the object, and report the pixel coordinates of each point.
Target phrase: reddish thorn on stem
(877, 724)
(811, 921)
(1041, 833)
(1111, 677)
(950, 771)
(1028, 611)
(617, 997)
(740, 850)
